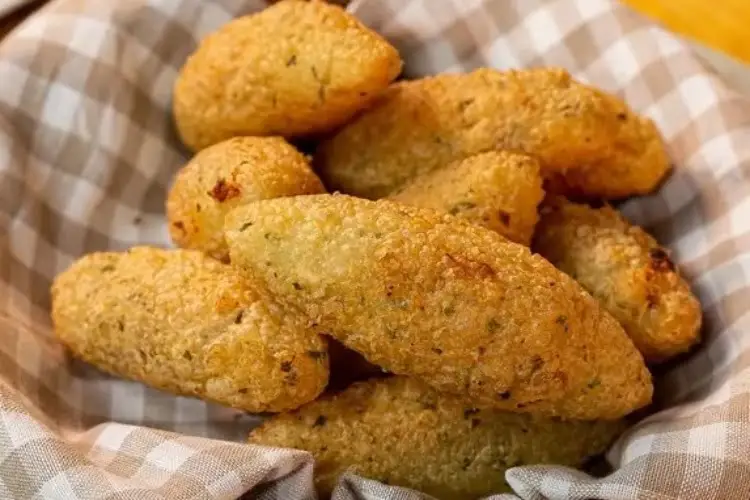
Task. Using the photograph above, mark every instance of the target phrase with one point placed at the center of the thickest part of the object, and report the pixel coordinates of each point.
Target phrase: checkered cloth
(87, 150)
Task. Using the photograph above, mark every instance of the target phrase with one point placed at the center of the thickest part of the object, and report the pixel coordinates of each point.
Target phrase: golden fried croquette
(180, 321)
(627, 270)
(580, 135)
(293, 69)
(227, 174)
(401, 431)
(448, 302)
(497, 189)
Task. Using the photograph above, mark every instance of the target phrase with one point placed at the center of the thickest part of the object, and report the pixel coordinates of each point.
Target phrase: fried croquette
(589, 142)
(400, 431)
(497, 189)
(180, 321)
(294, 69)
(227, 174)
(626, 269)
(453, 304)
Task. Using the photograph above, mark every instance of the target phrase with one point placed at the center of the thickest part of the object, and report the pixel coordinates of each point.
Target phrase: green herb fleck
(245, 226)
(390, 332)
(461, 206)
(595, 382)
(187, 355)
(292, 61)
(322, 92)
(536, 363)
(108, 268)
(493, 325)
(462, 105)
(401, 303)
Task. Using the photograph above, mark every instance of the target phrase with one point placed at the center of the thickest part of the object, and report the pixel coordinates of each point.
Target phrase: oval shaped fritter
(455, 305)
(402, 432)
(588, 142)
(294, 69)
(499, 190)
(626, 270)
(231, 173)
(180, 321)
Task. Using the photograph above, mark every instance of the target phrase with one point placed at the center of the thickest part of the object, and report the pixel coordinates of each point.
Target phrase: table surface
(723, 25)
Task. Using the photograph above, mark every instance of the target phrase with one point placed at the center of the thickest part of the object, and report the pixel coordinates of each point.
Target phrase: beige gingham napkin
(87, 150)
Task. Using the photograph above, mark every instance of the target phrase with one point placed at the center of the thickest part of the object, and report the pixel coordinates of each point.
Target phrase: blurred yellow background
(721, 24)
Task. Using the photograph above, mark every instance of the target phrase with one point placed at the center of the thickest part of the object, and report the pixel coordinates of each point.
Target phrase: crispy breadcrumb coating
(497, 189)
(455, 305)
(293, 69)
(402, 432)
(228, 174)
(627, 270)
(588, 142)
(180, 321)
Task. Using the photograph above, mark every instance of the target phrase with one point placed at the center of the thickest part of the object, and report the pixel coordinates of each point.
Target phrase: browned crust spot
(660, 260)
(467, 267)
(224, 190)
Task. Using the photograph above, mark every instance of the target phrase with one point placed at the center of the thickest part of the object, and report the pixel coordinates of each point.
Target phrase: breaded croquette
(227, 174)
(627, 270)
(180, 321)
(400, 431)
(589, 142)
(453, 304)
(294, 69)
(497, 189)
